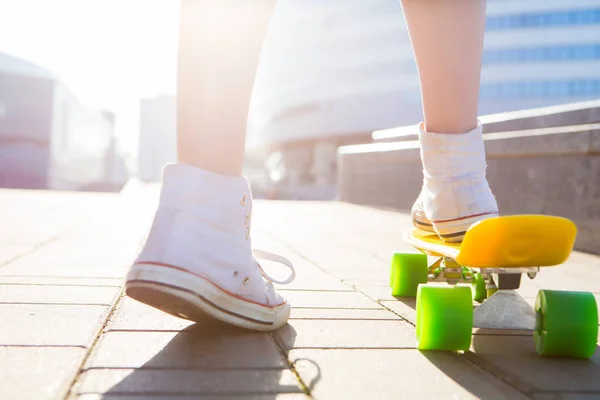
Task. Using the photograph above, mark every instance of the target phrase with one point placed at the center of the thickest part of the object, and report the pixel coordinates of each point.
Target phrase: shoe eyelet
(247, 218)
(246, 280)
(235, 273)
(247, 233)
(243, 201)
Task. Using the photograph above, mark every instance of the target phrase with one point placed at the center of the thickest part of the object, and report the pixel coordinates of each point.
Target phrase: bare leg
(198, 261)
(219, 50)
(447, 38)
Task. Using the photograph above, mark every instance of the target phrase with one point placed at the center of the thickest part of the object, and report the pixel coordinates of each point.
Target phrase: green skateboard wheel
(444, 317)
(408, 271)
(479, 290)
(567, 324)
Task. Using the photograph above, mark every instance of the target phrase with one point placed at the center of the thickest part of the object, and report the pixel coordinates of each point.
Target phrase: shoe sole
(454, 231)
(191, 297)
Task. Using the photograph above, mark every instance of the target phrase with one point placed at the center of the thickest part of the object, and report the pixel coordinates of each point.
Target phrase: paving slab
(514, 358)
(65, 253)
(52, 309)
(346, 334)
(273, 396)
(36, 294)
(376, 292)
(58, 270)
(213, 346)
(187, 382)
(327, 299)
(50, 325)
(59, 281)
(372, 281)
(396, 374)
(9, 251)
(38, 373)
(344, 325)
(342, 313)
(311, 278)
(131, 315)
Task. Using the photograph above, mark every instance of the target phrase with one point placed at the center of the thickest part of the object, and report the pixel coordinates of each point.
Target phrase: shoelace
(264, 255)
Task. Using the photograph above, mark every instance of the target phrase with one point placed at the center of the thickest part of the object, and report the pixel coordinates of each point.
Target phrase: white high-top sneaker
(455, 192)
(198, 260)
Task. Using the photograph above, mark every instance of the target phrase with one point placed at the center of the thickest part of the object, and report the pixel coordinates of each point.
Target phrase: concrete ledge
(547, 171)
(587, 112)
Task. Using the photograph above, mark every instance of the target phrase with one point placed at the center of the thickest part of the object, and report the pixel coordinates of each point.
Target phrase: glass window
(581, 87)
(548, 53)
(558, 18)
(588, 17)
(512, 90)
(579, 52)
(562, 88)
(531, 89)
(536, 54)
(573, 17)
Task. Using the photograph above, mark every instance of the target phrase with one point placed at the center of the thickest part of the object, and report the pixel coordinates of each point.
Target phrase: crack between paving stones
(394, 312)
(70, 394)
(509, 381)
(303, 387)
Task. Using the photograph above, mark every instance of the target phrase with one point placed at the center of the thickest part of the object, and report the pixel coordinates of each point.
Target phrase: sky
(109, 53)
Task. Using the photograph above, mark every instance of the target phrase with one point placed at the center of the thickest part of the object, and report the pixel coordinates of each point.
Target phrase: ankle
(449, 128)
(187, 187)
(448, 156)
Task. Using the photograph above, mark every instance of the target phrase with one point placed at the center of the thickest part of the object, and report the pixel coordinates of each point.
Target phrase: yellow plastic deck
(506, 242)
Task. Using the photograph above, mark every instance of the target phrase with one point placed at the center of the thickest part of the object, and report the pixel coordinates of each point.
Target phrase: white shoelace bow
(264, 255)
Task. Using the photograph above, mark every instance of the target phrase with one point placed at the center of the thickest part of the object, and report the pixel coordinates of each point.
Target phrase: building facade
(333, 72)
(49, 139)
(540, 53)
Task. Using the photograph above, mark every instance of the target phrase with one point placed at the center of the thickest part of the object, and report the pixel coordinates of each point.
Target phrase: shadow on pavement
(407, 301)
(511, 357)
(212, 358)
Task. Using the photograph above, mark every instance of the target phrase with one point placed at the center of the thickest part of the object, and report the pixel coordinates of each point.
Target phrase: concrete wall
(586, 112)
(553, 171)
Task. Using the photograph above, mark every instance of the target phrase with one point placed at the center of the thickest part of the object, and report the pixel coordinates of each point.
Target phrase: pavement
(67, 331)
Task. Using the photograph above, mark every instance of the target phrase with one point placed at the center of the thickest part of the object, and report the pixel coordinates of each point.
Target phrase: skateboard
(486, 267)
